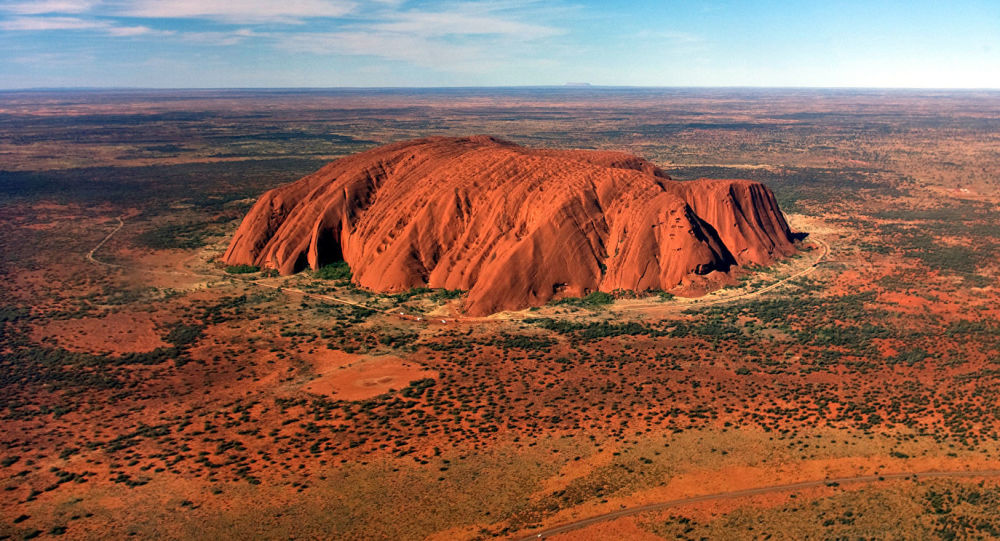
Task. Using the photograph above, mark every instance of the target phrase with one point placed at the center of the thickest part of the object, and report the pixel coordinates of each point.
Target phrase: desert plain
(150, 389)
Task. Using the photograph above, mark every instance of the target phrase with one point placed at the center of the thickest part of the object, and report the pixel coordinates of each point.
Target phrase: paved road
(791, 487)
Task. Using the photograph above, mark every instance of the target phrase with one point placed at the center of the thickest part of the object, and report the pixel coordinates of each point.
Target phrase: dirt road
(441, 320)
(258, 283)
(779, 283)
(319, 296)
(90, 254)
(697, 303)
(791, 487)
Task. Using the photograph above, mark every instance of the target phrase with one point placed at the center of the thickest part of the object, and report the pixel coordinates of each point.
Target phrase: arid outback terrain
(844, 389)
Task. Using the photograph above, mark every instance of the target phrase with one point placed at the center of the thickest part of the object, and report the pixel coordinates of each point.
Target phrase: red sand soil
(623, 528)
(451, 213)
(356, 377)
(120, 332)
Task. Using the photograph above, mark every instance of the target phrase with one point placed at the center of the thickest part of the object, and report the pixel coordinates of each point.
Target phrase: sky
(423, 43)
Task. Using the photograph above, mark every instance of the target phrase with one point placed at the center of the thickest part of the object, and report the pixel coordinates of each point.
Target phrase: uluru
(513, 226)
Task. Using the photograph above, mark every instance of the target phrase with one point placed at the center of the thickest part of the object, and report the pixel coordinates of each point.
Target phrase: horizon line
(574, 86)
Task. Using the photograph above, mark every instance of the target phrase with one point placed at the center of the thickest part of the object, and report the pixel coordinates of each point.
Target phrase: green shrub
(911, 356)
(181, 335)
(446, 294)
(597, 298)
(404, 296)
(241, 269)
(334, 271)
(174, 236)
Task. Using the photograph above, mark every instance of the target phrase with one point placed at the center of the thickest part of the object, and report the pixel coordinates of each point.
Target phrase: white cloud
(39, 7)
(412, 49)
(470, 37)
(468, 56)
(288, 11)
(126, 31)
(51, 23)
(56, 59)
(454, 23)
(220, 38)
(43, 24)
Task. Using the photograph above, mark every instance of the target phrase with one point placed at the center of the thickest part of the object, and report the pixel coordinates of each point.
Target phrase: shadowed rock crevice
(513, 226)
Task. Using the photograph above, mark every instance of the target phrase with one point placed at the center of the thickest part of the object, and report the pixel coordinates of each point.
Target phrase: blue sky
(322, 43)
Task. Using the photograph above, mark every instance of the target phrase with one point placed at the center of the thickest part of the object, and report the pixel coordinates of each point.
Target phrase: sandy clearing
(355, 377)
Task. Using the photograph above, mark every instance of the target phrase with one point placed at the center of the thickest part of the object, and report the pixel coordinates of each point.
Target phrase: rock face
(513, 226)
